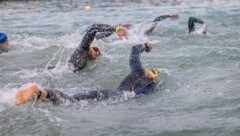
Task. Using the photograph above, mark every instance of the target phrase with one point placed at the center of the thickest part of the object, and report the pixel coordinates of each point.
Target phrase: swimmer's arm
(103, 35)
(172, 16)
(120, 29)
(151, 29)
(156, 20)
(134, 61)
(191, 22)
(91, 33)
(160, 18)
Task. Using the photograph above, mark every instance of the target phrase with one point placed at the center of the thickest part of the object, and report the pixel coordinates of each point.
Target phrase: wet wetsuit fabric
(156, 20)
(3, 49)
(103, 35)
(80, 55)
(58, 97)
(136, 81)
(191, 22)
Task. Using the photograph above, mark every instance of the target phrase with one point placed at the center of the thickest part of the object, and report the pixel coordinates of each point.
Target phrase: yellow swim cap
(26, 94)
(152, 73)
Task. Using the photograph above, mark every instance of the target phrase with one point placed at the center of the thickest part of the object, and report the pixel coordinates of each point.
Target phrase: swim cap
(152, 73)
(26, 94)
(3, 38)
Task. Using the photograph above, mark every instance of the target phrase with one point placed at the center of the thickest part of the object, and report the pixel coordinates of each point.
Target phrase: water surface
(199, 93)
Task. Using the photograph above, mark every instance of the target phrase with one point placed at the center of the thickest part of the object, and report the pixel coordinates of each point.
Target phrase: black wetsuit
(191, 22)
(147, 32)
(155, 22)
(136, 81)
(103, 34)
(80, 55)
(3, 50)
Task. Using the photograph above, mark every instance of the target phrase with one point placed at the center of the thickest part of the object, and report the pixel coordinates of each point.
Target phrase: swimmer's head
(152, 73)
(3, 40)
(26, 94)
(94, 51)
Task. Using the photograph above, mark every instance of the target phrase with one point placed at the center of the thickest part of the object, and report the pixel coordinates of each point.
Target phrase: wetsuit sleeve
(160, 18)
(91, 33)
(134, 61)
(191, 22)
(103, 35)
(156, 20)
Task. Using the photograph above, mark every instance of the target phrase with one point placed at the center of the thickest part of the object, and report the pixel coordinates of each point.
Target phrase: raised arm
(134, 61)
(125, 26)
(103, 35)
(191, 22)
(158, 19)
(91, 33)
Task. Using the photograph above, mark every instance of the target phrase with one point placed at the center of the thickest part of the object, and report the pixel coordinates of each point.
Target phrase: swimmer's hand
(205, 27)
(174, 16)
(148, 46)
(122, 32)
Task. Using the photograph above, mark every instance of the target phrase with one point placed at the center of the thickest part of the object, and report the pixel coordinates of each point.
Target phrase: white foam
(8, 95)
(127, 95)
(164, 71)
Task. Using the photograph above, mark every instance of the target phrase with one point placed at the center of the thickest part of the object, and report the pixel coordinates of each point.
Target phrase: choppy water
(199, 94)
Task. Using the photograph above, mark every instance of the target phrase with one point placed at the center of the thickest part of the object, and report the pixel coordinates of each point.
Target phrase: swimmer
(138, 81)
(4, 43)
(84, 51)
(191, 27)
(93, 53)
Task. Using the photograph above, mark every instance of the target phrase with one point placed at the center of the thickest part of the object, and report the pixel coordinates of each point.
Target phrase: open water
(199, 93)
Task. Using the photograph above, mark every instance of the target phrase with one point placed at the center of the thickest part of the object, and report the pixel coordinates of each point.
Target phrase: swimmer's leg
(96, 94)
(57, 97)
